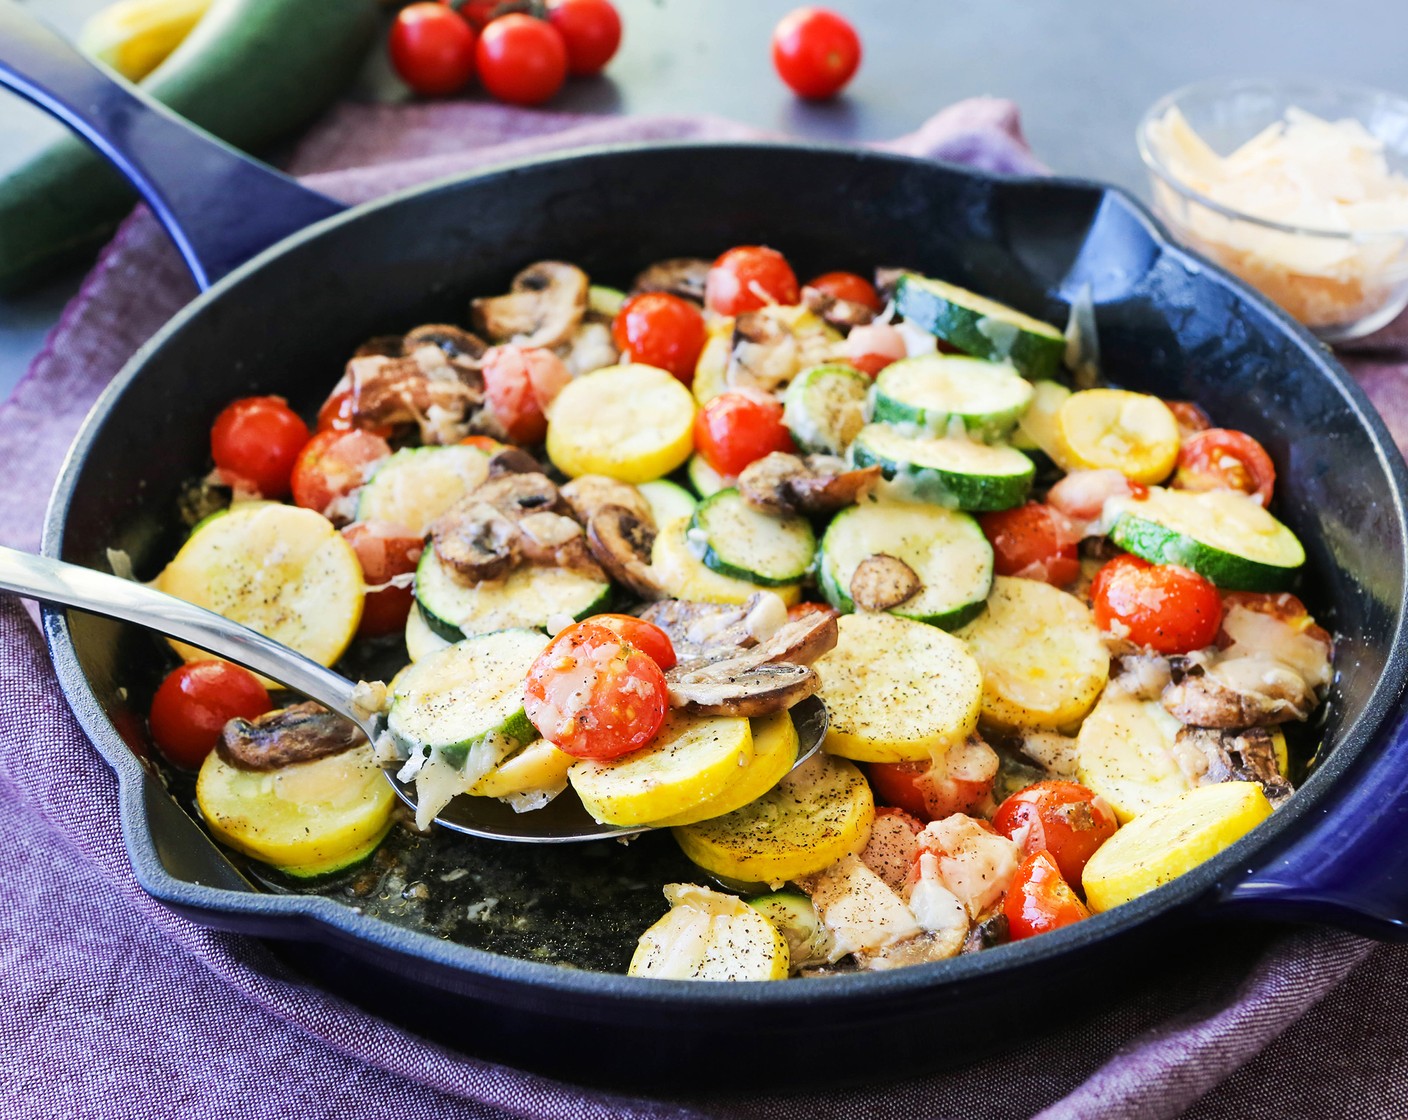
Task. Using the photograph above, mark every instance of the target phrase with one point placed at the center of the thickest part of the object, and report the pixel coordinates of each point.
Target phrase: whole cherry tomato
(749, 277)
(815, 52)
(1039, 899)
(520, 382)
(384, 551)
(849, 287)
(661, 330)
(477, 13)
(734, 429)
(1221, 459)
(521, 60)
(1064, 818)
(594, 695)
(432, 48)
(1191, 417)
(1163, 606)
(874, 346)
(255, 441)
(591, 30)
(643, 635)
(331, 465)
(195, 701)
(911, 786)
(1034, 541)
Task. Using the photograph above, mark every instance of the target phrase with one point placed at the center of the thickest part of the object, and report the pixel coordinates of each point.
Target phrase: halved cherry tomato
(521, 60)
(1221, 459)
(594, 695)
(1163, 606)
(487, 444)
(331, 466)
(1191, 417)
(849, 287)
(1034, 541)
(591, 30)
(384, 551)
(641, 634)
(815, 52)
(255, 441)
(661, 330)
(874, 346)
(749, 277)
(195, 701)
(1064, 818)
(432, 48)
(1039, 899)
(520, 382)
(734, 429)
(1280, 605)
(914, 787)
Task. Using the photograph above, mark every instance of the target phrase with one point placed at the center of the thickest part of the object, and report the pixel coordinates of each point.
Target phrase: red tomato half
(1163, 606)
(256, 441)
(849, 287)
(815, 51)
(1191, 417)
(520, 382)
(1034, 541)
(432, 48)
(661, 330)
(591, 30)
(643, 635)
(521, 60)
(384, 551)
(594, 695)
(734, 429)
(1064, 818)
(332, 465)
(1221, 459)
(194, 703)
(749, 277)
(909, 786)
(1039, 899)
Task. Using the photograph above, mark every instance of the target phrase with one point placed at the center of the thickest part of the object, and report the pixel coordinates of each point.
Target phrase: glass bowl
(1342, 283)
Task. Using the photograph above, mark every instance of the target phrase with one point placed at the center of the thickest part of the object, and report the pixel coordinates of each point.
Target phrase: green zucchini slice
(824, 408)
(740, 541)
(957, 473)
(981, 326)
(943, 393)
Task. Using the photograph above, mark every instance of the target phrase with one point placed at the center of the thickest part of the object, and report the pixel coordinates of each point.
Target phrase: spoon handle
(54, 581)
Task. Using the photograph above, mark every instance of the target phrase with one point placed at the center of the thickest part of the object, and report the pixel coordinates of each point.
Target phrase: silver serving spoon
(561, 821)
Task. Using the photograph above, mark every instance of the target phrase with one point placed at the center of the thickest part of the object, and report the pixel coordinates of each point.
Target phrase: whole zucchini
(251, 72)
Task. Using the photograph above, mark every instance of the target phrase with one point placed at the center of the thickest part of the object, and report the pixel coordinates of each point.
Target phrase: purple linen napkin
(112, 1006)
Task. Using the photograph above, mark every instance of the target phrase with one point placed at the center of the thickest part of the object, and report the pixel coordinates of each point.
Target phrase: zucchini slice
(825, 408)
(708, 935)
(1223, 535)
(421, 640)
(526, 598)
(683, 575)
(957, 473)
(539, 766)
(945, 549)
(705, 479)
(417, 484)
(668, 501)
(1124, 752)
(897, 691)
(981, 326)
(1113, 429)
(794, 916)
(634, 423)
(942, 393)
(775, 746)
(741, 542)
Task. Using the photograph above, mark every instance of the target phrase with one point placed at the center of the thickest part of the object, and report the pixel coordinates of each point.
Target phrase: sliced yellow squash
(1044, 663)
(1114, 429)
(711, 369)
(307, 819)
(538, 766)
(421, 640)
(1170, 839)
(633, 422)
(135, 36)
(684, 576)
(707, 935)
(775, 747)
(897, 690)
(1124, 752)
(820, 812)
(693, 759)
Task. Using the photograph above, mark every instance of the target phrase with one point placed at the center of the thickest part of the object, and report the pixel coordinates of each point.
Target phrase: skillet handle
(219, 206)
(1349, 868)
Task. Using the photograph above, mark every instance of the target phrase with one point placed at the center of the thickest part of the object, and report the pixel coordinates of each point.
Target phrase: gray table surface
(1082, 70)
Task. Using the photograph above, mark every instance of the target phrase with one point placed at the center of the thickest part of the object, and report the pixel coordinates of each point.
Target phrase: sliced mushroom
(932, 945)
(591, 493)
(801, 639)
(300, 733)
(513, 460)
(987, 933)
(544, 305)
(621, 543)
(554, 540)
(1209, 756)
(764, 354)
(680, 276)
(476, 542)
(725, 688)
(394, 391)
(514, 495)
(382, 346)
(843, 314)
(883, 581)
(454, 342)
(782, 483)
(702, 631)
(1237, 692)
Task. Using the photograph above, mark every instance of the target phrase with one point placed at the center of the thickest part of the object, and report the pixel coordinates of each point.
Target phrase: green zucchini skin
(1227, 571)
(250, 72)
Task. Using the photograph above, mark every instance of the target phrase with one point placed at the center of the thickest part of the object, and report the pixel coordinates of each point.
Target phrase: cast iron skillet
(284, 323)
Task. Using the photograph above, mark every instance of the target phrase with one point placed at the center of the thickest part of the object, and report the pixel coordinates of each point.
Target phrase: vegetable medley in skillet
(623, 534)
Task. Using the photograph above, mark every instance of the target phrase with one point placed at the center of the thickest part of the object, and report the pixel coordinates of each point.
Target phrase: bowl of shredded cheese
(1300, 188)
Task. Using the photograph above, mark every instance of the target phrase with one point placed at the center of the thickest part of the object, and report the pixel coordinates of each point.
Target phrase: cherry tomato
(432, 48)
(801, 610)
(520, 382)
(338, 415)
(487, 444)
(1191, 417)
(591, 30)
(645, 636)
(331, 466)
(1034, 541)
(477, 13)
(911, 786)
(384, 551)
(256, 441)
(1280, 605)
(1064, 818)
(749, 277)
(1039, 900)
(1163, 606)
(594, 695)
(734, 429)
(194, 703)
(521, 60)
(1221, 459)
(661, 330)
(874, 346)
(815, 52)
(849, 287)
